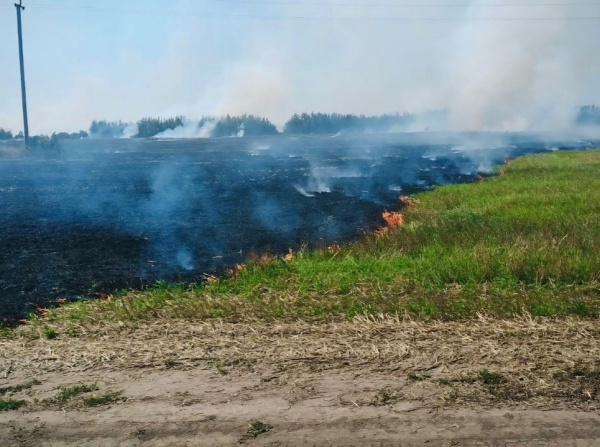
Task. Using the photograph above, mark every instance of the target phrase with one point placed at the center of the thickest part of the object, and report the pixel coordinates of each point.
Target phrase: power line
(317, 3)
(369, 4)
(401, 5)
(101, 9)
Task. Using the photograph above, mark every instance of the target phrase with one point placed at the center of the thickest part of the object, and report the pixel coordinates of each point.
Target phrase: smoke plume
(518, 76)
(523, 66)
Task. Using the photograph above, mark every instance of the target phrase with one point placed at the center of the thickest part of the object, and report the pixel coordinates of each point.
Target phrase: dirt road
(367, 382)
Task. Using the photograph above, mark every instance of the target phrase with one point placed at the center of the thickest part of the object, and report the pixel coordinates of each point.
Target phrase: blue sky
(107, 59)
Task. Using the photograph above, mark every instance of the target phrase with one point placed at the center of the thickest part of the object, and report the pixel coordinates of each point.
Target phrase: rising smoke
(490, 75)
(523, 75)
(191, 129)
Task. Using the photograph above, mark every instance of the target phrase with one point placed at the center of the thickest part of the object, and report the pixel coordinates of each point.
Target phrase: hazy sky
(108, 59)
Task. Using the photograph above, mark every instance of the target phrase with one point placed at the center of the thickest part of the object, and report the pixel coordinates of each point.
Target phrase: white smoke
(190, 129)
(491, 74)
(241, 131)
(130, 131)
(517, 76)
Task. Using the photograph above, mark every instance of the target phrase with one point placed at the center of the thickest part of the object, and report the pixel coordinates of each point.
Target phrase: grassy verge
(525, 241)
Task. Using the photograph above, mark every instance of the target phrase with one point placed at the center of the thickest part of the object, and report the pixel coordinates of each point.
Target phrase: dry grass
(526, 361)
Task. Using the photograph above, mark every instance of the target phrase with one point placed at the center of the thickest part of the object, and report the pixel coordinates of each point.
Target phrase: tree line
(588, 116)
(333, 123)
(251, 125)
(8, 135)
(227, 126)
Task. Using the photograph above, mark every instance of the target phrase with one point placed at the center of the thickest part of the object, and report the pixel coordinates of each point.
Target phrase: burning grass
(526, 242)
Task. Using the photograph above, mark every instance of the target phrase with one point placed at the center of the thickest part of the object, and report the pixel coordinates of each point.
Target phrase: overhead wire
(208, 15)
(399, 5)
(384, 4)
(409, 4)
(325, 18)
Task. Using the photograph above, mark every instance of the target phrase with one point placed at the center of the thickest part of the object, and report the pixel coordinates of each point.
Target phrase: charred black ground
(108, 214)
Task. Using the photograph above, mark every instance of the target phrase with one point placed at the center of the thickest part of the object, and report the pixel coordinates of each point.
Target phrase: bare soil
(382, 381)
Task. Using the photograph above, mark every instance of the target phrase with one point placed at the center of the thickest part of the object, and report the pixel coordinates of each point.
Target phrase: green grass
(19, 388)
(11, 404)
(67, 394)
(490, 378)
(104, 399)
(257, 428)
(71, 392)
(76, 395)
(50, 333)
(525, 241)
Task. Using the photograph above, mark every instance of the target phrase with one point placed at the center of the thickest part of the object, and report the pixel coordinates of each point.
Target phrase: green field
(526, 241)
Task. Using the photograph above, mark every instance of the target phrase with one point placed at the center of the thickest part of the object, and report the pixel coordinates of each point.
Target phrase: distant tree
(588, 116)
(43, 143)
(107, 129)
(5, 134)
(323, 123)
(226, 126)
(245, 125)
(149, 127)
(70, 136)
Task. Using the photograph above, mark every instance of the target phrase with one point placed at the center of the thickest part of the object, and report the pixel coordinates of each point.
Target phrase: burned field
(473, 322)
(108, 214)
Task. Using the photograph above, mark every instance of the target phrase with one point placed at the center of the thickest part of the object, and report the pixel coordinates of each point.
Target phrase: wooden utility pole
(20, 7)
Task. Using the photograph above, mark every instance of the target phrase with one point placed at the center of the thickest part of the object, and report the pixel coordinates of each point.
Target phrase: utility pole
(20, 7)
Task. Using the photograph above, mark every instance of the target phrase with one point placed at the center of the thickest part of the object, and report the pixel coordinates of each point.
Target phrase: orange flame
(212, 279)
(393, 219)
(289, 256)
(334, 248)
(263, 259)
(42, 312)
(408, 201)
(237, 268)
